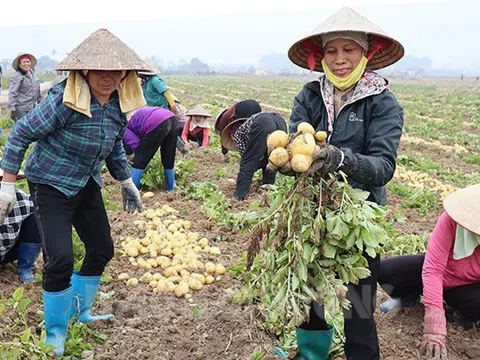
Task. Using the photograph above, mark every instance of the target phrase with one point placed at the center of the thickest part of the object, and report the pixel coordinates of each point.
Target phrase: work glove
(13, 115)
(434, 334)
(332, 159)
(131, 196)
(7, 199)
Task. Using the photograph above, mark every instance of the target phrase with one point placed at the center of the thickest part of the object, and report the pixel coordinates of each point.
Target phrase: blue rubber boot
(27, 253)
(57, 310)
(85, 290)
(137, 176)
(170, 179)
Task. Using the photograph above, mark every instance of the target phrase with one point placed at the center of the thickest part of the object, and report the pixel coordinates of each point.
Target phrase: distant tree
(45, 63)
(197, 66)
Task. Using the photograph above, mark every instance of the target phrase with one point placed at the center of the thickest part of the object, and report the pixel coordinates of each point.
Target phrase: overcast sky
(235, 32)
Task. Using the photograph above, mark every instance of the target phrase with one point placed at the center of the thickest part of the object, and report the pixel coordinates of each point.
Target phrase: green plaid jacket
(70, 147)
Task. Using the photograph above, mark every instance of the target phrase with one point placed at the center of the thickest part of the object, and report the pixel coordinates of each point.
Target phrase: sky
(227, 32)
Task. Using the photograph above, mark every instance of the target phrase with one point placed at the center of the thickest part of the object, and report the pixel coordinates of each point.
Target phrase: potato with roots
(278, 138)
(321, 136)
(279, 157)
(301, 163)
(306, 128)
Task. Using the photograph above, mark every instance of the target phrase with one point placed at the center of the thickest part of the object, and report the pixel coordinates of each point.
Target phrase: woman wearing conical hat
(197, 127)
(449, 271)
(24, 90)
(364, 123)
(76, 129)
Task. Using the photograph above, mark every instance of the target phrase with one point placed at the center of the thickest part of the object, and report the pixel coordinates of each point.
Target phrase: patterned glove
(131, 196)
(434, 334)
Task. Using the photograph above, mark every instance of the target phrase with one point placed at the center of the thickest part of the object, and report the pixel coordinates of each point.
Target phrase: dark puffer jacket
(367, 129)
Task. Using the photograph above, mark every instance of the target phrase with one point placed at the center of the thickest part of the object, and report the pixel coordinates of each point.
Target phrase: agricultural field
(439, 152)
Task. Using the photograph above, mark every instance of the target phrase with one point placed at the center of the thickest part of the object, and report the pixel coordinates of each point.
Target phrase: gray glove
(131, 196)
(332, 159)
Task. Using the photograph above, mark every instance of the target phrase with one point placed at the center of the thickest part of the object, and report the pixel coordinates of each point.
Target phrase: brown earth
(162, 327)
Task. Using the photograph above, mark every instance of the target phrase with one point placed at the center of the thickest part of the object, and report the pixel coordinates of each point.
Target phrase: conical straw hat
(346, 20)
(154, 70)
(102, 51)
(226, 138)
(463, 206)
(15, 62)
(198, 110)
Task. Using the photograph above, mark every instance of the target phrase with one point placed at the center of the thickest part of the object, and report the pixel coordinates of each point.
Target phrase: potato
(199, 277)
(303, 144)
(172, 228)
(203, 242)
(148, 195)
(166, 252)
(132, 282)
(162, 286)
(181, 290)
(209, 279)
(123, 276)
(276, 139)
(306, 128)
(153, 284)
(210, 268)
(194, 284)
(321, 136)
(166, 264)
(153, 254)
(148, 266)
(146, 278)
(301, 163)
(157, 276)
(145, 242)
(218, 278)
(184, 273)
(219, 269)
(153, 263)
(215, 250)
(144, 251)
(279, 157)
(170, 272)
(132, 252)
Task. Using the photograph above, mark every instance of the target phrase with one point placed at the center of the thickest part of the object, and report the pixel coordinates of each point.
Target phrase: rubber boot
(403, 302)
(170, 179)
(27, 253)
(85, 290)
(137, 175)
(313, 344)
(57, 310)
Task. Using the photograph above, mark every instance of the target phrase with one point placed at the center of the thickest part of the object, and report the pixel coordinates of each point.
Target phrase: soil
(162, 327)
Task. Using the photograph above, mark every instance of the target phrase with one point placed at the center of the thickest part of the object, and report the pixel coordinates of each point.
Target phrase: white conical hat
(198, 110)
(154, 70)
(346, 20)
(463, 206)
(102, 51)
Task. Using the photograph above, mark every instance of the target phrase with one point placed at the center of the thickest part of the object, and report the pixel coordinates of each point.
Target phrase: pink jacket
(440, 270)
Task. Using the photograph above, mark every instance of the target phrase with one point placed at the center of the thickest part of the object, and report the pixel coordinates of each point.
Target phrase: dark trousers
(164, 136)
(28, 234)
(255, 156)
(401, 276)
(55, 216)
(361, 341)
(198, 138)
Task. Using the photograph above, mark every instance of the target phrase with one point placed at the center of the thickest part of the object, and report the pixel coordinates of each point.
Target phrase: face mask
(343, 83)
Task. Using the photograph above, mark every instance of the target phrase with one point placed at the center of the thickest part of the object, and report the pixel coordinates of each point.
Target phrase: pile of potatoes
(171, 254)
(420, 180)
(296, 152)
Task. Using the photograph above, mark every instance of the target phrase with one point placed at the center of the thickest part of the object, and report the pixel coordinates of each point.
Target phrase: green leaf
(307, 253)
(351, 238)
(361, 194)
(340, 229)
(18, 294)
(25, 335)
(359, 244)
(371, 252)
(302, 271)
(361, 272)
(23, 305)
(279, 297)
(295, 282)
(327, 262)
(329, 251)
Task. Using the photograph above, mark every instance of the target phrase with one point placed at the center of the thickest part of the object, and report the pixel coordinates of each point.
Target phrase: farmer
(149, 129)
(240, 110)
(19, 236)
(250, 139)
(76, 130)
(364, 122)
(24, 91)
(450, 271)
(197, 127)
(182, 119)
(155, 89)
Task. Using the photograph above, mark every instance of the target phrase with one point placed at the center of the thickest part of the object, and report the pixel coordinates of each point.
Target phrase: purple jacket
(142, 122)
